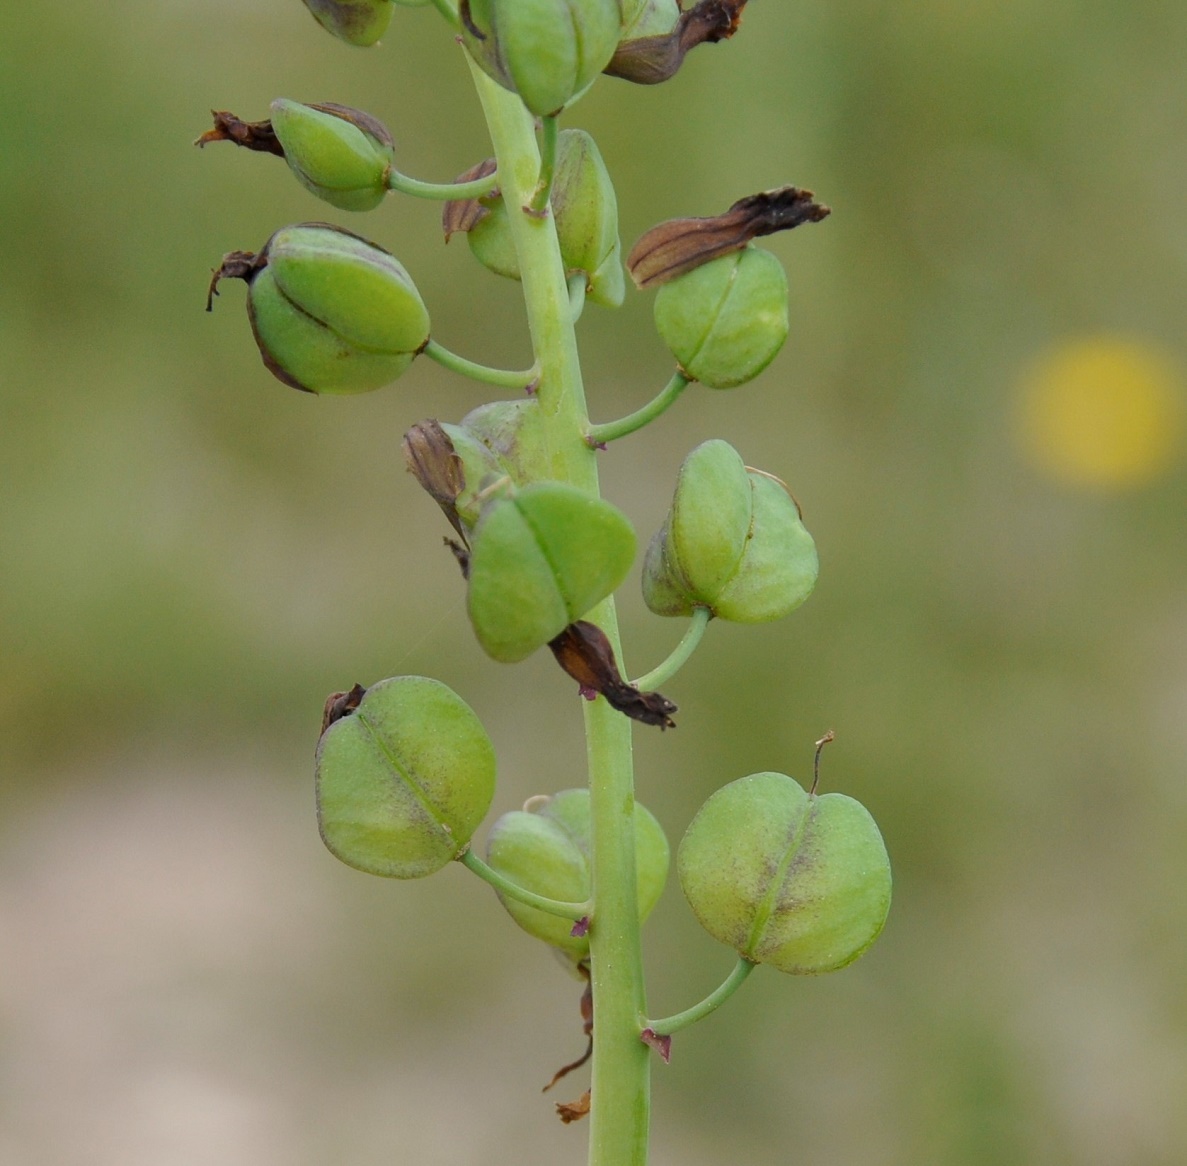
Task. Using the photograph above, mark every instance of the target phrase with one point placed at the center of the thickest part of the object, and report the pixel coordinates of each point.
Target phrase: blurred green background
(980, 410)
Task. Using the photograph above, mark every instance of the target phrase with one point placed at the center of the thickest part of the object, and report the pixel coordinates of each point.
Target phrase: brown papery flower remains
(649, 60)
(679, 245)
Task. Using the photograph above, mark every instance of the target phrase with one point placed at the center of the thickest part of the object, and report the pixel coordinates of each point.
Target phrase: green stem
(578, 285)
(543, 191)
(441, 191)
(513, 890)
(600, 434)
(449, 10)
(556, 449)
(711, 1003)
(504, 378)
(662, 673)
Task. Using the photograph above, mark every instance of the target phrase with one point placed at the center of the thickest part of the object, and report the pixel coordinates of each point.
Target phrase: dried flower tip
(235, 265)
(434, 463)
(584, 652)
(679, 245)
(571, 1111)
(648, 60)
(341, 704)
(251, 135)
(460, 214)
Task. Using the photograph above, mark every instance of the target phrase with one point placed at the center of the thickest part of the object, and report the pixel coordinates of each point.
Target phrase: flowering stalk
(405, 772)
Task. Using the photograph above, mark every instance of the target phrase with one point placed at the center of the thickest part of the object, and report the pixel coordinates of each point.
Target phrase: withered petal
(433, 462)
(462, 214)
(251, 135)
(680, 245)
(584, 652)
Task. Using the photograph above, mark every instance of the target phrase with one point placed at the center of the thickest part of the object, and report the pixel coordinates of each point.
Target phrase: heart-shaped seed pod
(547, 51)
(733, 542)
(585, 210)
(541, 558)
(331, 312)
(545, 848)
(784, 877)
(358, 22)
(726, 320)
(404, 780)
(341, 155)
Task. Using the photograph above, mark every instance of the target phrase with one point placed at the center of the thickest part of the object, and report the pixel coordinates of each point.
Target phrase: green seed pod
(541, 559)
(545, 848)
(404, 780)
(358, 22)
(547, 51)
(586, 213)
(784, 877)
(342, 155)
(725, 321)
(502, 425)
(331, 312)
(585, 210)
(733, 542)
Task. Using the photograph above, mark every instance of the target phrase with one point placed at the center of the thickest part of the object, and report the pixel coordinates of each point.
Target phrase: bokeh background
(980, 409)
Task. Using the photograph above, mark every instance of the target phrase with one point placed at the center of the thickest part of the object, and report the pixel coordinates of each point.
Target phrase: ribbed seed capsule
(585, 210)
(733, 542)
(331, 312)
(358, 22)
(547, 51)
(341, 155)
(404, 779)
(784, 877)
(541, 558)
(726, 320)
(545, 848)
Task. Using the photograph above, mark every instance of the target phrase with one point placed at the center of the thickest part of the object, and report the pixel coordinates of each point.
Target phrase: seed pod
(585, 210)
(545, 848)
(547, 51)
(404, 779)
(341, 155)
(541, 559)
(358, 22)
(726, 320)
(733, 542)
(331, 312)
(784, 877)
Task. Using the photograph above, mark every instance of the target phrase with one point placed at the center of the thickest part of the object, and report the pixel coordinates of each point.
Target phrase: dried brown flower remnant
(571, 1111)
(586, 1028)
(341, 704)
(584, 652)
(235, 265)
(251, 135)
(463, 213)
(434, 463)
(679, 245)
(652, 59)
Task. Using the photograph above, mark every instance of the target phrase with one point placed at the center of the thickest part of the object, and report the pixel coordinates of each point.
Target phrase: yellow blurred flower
(1102, 412)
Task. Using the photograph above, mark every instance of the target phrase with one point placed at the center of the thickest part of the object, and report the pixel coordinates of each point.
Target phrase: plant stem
(513, 890)
(661, 673)
(600, 434)
(556, 449)
(504, 378)
(543, 191)
(441, 191)
(713, 1001)
(449, 10)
